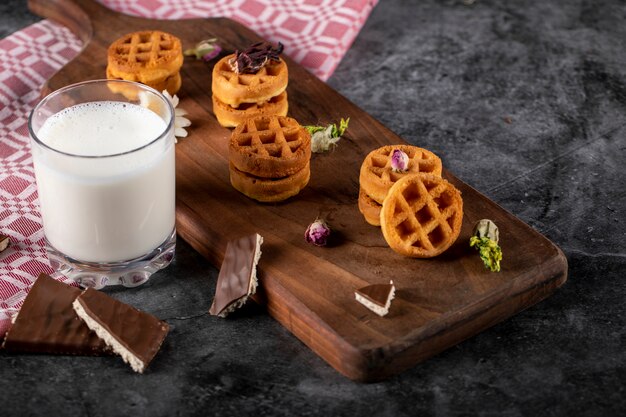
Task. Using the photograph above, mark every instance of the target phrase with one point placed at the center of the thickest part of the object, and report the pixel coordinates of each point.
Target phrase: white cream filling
(129, 358)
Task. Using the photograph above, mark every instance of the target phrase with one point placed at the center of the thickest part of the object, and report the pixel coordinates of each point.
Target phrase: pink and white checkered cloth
(316, 33)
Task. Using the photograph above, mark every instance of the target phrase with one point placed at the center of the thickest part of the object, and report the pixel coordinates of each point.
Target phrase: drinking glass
(103, 153)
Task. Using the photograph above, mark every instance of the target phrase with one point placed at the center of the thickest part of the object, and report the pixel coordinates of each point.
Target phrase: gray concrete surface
(525, 101)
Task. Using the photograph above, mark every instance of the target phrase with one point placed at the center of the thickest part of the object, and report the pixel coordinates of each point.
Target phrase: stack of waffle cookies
(240, 96)
(419, 212)
(269, 158)
(150, 57)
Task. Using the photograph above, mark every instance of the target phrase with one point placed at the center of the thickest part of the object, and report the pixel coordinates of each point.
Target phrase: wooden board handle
(69, 14)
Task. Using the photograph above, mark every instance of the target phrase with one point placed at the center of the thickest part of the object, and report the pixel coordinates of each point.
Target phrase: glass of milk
(103, 153)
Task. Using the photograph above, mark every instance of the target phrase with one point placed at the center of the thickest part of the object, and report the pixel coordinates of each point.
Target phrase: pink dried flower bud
(205, 50)
(399, 161)
(317, 233)
(212, 54)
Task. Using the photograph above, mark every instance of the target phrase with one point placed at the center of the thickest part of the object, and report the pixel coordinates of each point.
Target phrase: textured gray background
(525, 101)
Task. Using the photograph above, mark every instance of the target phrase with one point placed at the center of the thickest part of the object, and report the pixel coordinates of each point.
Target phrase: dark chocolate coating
(140, 333)
(47, 323)
(233, 282)
(377, 293)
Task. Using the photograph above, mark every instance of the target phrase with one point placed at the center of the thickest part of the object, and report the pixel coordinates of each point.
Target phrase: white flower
(180, 122)
(322, 140)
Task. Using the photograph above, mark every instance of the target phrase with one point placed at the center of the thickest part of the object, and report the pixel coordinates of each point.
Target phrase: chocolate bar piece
(47, 323)
(134, 335)
(376, 297)
(237, 279)
(4, 242)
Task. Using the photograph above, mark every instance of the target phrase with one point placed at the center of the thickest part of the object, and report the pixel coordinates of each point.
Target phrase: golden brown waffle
(376, 177)
(233, 89)
(270, 147)
(422, 215)
(369, 208)
(228, 116)
(150, 57)
(171, 84)
(269, 190)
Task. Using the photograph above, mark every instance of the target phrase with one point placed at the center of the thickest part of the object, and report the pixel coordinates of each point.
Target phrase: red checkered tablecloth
(316, 33)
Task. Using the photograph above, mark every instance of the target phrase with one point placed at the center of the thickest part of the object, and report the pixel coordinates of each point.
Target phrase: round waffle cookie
(422, 215)
(229, 116)
(150, 57)
(377, 177)
(269, 190)
(233, 89)
(270, 146)
(369, 208)
(171, 84)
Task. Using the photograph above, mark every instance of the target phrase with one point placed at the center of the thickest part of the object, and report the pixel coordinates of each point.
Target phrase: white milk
(106, 208)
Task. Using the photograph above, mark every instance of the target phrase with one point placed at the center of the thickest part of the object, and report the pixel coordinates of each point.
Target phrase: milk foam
(101, 128)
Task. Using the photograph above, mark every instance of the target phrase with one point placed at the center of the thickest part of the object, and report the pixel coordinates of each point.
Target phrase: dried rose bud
(399, 161)
(211, 53)
(317, 233)
(206, 49)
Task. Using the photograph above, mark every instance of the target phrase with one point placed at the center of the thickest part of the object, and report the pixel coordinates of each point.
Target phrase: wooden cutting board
(310, 290)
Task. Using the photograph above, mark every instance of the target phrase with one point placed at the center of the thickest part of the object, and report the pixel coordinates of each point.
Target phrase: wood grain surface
(310, 290)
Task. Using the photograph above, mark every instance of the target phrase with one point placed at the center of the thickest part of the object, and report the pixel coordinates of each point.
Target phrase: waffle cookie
(250, 83)
(376, 177)
(270, 146)
(229, 116)
(269, 190)
(234, 89)
(422, 215)
(269, 158)
(369, 208)
(172, 83)
(150, 57)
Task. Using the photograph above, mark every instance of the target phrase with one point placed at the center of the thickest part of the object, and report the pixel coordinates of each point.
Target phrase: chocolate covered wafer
(134, 335)
(237, 279)
(376, 297)
(47, 323)
(4, 242)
